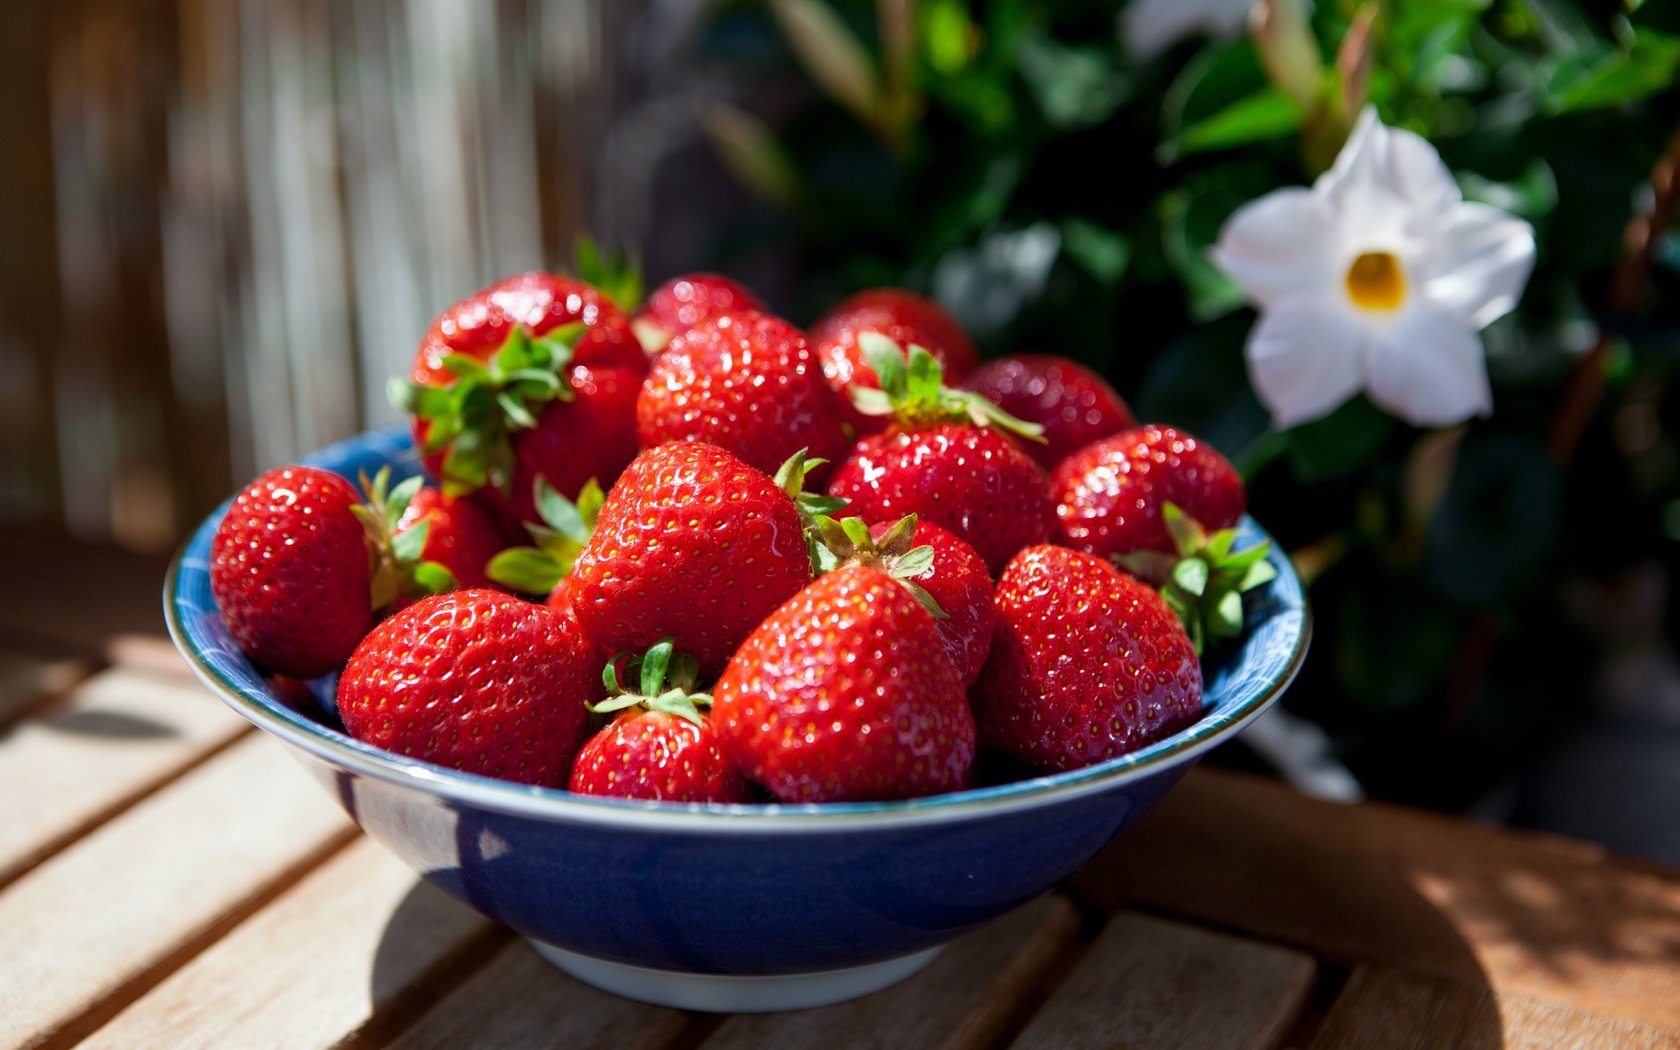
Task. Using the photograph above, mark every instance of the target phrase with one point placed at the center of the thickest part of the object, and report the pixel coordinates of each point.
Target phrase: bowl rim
(554, 804)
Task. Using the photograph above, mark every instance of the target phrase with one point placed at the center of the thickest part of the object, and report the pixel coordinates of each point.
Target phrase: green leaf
(913, 562)
(1191, 576)
(886, 359)
(560, 513)
(899, 536)
(614, 274)
(871, 402)
(1266, 114)
(925, 377)
(654, 664)
(857, 532)
(1258, 575)
(407, 544)
(614, 703)
(1226, 619)
(397, 501)
(682, 705)
(1648, 65)
(1102, 252)
(526, 569)
(463, 367)
(748, 148)
(1074, 86)
(430, 577)
(927, 600)
(831, 54)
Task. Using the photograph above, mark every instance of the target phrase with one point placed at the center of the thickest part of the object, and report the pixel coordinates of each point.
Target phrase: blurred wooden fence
(223, 223)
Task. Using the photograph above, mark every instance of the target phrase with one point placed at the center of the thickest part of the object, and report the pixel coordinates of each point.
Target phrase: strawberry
(460, 535)
(683, 302)
(1086, 663)
(694, 544)
(535, 376)
(943, 572)
(299, 568)
(845, 694)
(475, 680)
(901, 316)
(660, 746)
(746, 382)
(1109, 494)
(943, 461)
(565, 528)
(1073, 404)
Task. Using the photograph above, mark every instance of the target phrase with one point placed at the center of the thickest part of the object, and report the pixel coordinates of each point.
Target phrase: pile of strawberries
(697, 554)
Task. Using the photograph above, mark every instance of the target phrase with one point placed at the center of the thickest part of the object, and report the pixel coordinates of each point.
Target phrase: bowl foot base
(723, 993)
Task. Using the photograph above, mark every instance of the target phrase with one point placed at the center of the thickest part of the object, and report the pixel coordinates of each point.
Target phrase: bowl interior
(1241, 679)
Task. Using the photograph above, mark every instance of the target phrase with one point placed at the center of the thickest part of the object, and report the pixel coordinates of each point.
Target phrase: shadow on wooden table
(1481, 927)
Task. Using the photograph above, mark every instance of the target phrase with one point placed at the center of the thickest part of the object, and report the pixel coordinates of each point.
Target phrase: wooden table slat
(1154, 985)
(519, 1000)
(28, 680)
(1385, 1009)
(100, 922)
(1546, 917)
(318, 965)
(960, 1000)
(115, 737)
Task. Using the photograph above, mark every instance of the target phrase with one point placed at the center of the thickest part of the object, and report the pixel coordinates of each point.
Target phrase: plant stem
(1585, 387)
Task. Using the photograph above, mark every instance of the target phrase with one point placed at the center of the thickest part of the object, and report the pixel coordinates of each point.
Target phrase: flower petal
(1428, 369)
(1477, 263)
(1306, 356)
(1388, 185)
(1281, 244)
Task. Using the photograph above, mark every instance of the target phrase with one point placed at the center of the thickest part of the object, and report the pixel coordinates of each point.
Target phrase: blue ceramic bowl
(731, 907)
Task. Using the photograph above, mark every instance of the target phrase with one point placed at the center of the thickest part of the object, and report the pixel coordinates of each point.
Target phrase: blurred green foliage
(1060, 195)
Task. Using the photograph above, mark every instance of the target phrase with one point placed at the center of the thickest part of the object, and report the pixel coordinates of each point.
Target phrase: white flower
(1378, 278)
(1152, 26)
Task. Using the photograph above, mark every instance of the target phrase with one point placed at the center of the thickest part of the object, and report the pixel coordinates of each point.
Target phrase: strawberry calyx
(471, 420)
(848, 542)
(1206, 579)
(616, 275)
(790, 478)
(557, 540)
(914, 394)
(661, 679)
(396, 568)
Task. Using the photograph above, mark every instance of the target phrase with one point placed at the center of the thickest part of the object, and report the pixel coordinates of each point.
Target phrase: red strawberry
(475, 680)
(691, 543)
(535, 376)
(289, 571)
(1086, 664)
(942, 571)
(560, 597)
(1110, 494)
(845, 694)
(683, 302)
(460, 536)
(903, 317)
(1073, 404)
(299, 567)
(942, 462)
(661, 746)
(746, 382)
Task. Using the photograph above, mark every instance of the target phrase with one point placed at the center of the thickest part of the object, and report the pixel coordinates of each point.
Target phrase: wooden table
(168, 878)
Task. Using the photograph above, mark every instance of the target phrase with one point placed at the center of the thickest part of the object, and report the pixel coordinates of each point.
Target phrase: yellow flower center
(1376, 282)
